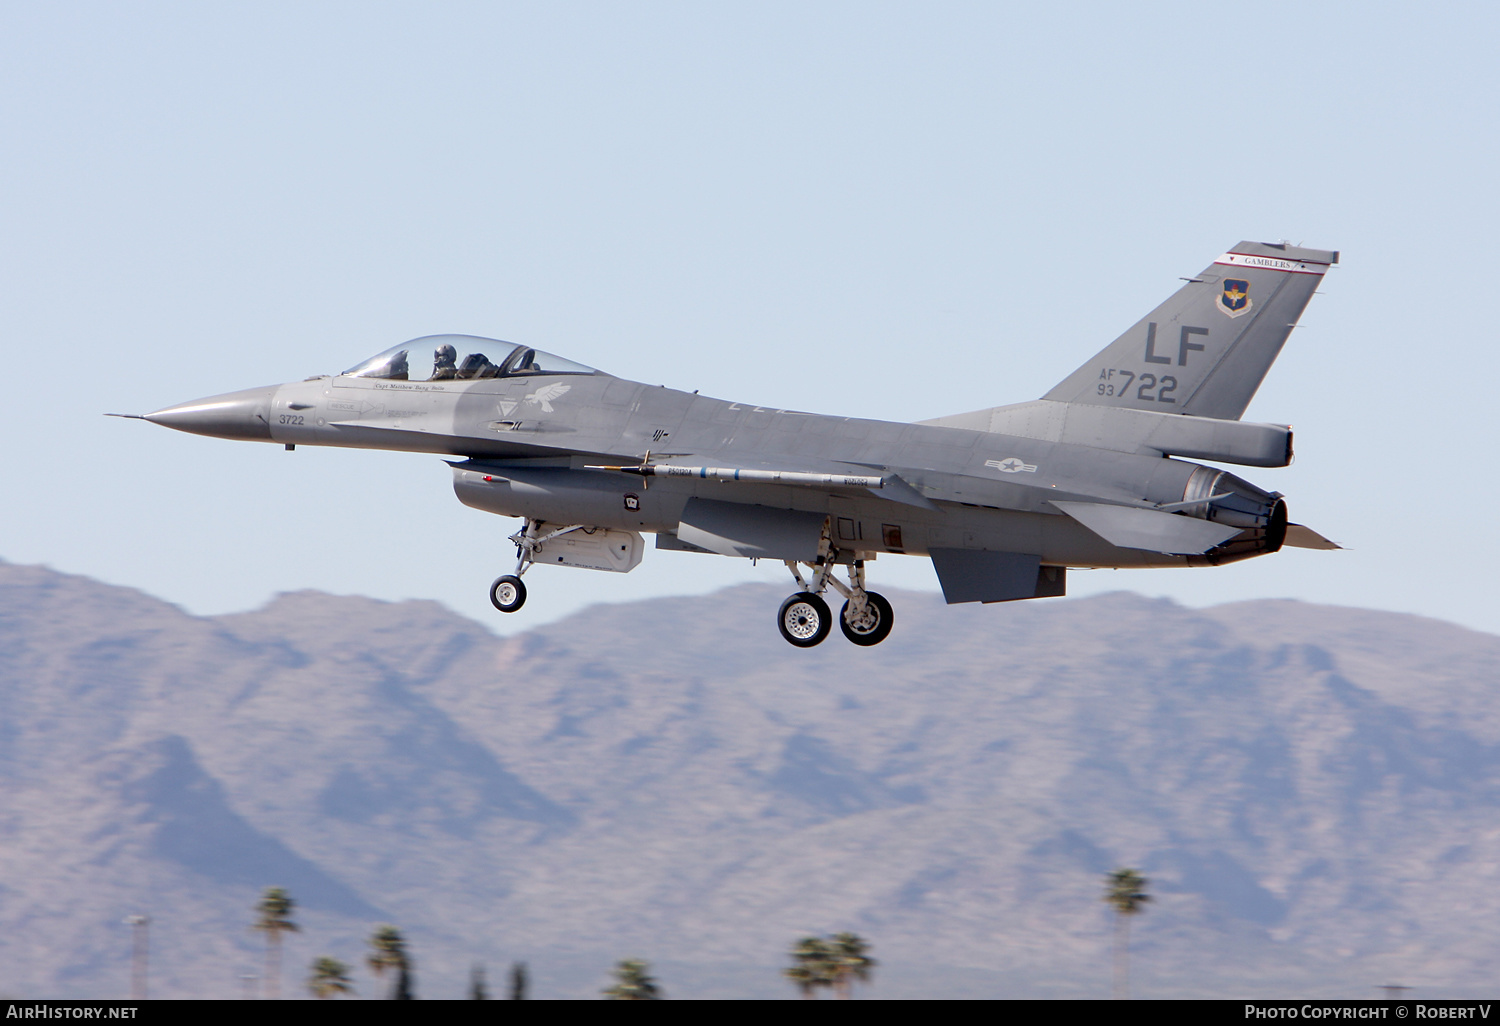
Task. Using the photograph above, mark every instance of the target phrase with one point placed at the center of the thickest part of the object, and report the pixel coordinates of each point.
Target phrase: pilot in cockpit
(445, 363)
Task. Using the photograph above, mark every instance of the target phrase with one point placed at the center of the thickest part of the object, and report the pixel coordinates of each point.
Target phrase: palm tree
(139, 925)
(813, 965)
(329, 978)
(633, 982)
(477, 989)
(850, 962)
(1125, 892)
(273, 918)
(403, 990)
(388, 951)
(518, 981)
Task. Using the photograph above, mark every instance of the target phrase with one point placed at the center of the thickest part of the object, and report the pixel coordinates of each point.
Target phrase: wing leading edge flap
(1153, 531)
(740, 529)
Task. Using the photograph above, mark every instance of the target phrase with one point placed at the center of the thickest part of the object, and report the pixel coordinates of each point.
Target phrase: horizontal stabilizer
(1133, 528)
(1300, 537)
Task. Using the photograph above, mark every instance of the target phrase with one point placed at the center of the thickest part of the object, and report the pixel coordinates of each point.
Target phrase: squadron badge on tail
(1235, 299)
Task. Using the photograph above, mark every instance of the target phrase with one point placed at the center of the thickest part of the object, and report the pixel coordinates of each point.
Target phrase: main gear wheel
(804, 619)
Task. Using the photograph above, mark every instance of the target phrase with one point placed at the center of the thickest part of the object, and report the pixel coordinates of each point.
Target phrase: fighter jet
(1004, 501)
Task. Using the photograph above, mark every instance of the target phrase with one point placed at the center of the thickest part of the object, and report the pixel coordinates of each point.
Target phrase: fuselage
(527, 442)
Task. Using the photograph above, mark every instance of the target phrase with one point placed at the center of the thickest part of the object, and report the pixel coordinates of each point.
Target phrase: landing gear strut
(508, 594)
(804, 618)
(870, 627)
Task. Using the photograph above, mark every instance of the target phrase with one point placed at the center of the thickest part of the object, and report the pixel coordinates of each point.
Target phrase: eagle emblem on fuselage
(543, 396)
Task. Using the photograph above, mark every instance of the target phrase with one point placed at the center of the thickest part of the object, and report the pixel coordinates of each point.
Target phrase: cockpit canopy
(461, 358)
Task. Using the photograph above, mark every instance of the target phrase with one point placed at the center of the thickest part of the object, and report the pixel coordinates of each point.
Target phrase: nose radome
(245, 414)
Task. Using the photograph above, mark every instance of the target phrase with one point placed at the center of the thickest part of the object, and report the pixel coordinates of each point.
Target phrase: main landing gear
(508, 594)
(805, 620)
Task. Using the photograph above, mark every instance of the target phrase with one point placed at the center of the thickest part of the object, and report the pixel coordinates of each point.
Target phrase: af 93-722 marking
(1148, 387)
(1144, 384)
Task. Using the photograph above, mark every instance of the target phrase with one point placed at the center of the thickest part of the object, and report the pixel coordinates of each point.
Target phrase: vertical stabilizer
(1206, 350)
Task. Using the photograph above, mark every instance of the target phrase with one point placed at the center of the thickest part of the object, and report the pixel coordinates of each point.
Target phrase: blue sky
(882, 210)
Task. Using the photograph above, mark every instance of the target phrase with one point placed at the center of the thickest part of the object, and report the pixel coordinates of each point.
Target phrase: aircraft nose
(245, 414)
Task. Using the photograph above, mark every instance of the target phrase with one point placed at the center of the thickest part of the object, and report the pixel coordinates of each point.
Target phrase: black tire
(804, 619)
(508, 594)
(875, 626)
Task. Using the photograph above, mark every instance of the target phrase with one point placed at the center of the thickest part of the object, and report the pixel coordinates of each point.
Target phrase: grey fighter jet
(1004, 501)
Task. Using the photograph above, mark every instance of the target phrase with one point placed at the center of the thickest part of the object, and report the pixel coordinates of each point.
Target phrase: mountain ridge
(1314, 791)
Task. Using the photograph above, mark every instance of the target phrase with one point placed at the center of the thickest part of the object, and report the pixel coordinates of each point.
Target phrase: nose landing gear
(804, 618)
(508, 594)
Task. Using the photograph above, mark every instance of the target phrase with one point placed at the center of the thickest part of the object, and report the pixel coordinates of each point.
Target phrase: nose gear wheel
(508, 594)
(804, 619)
